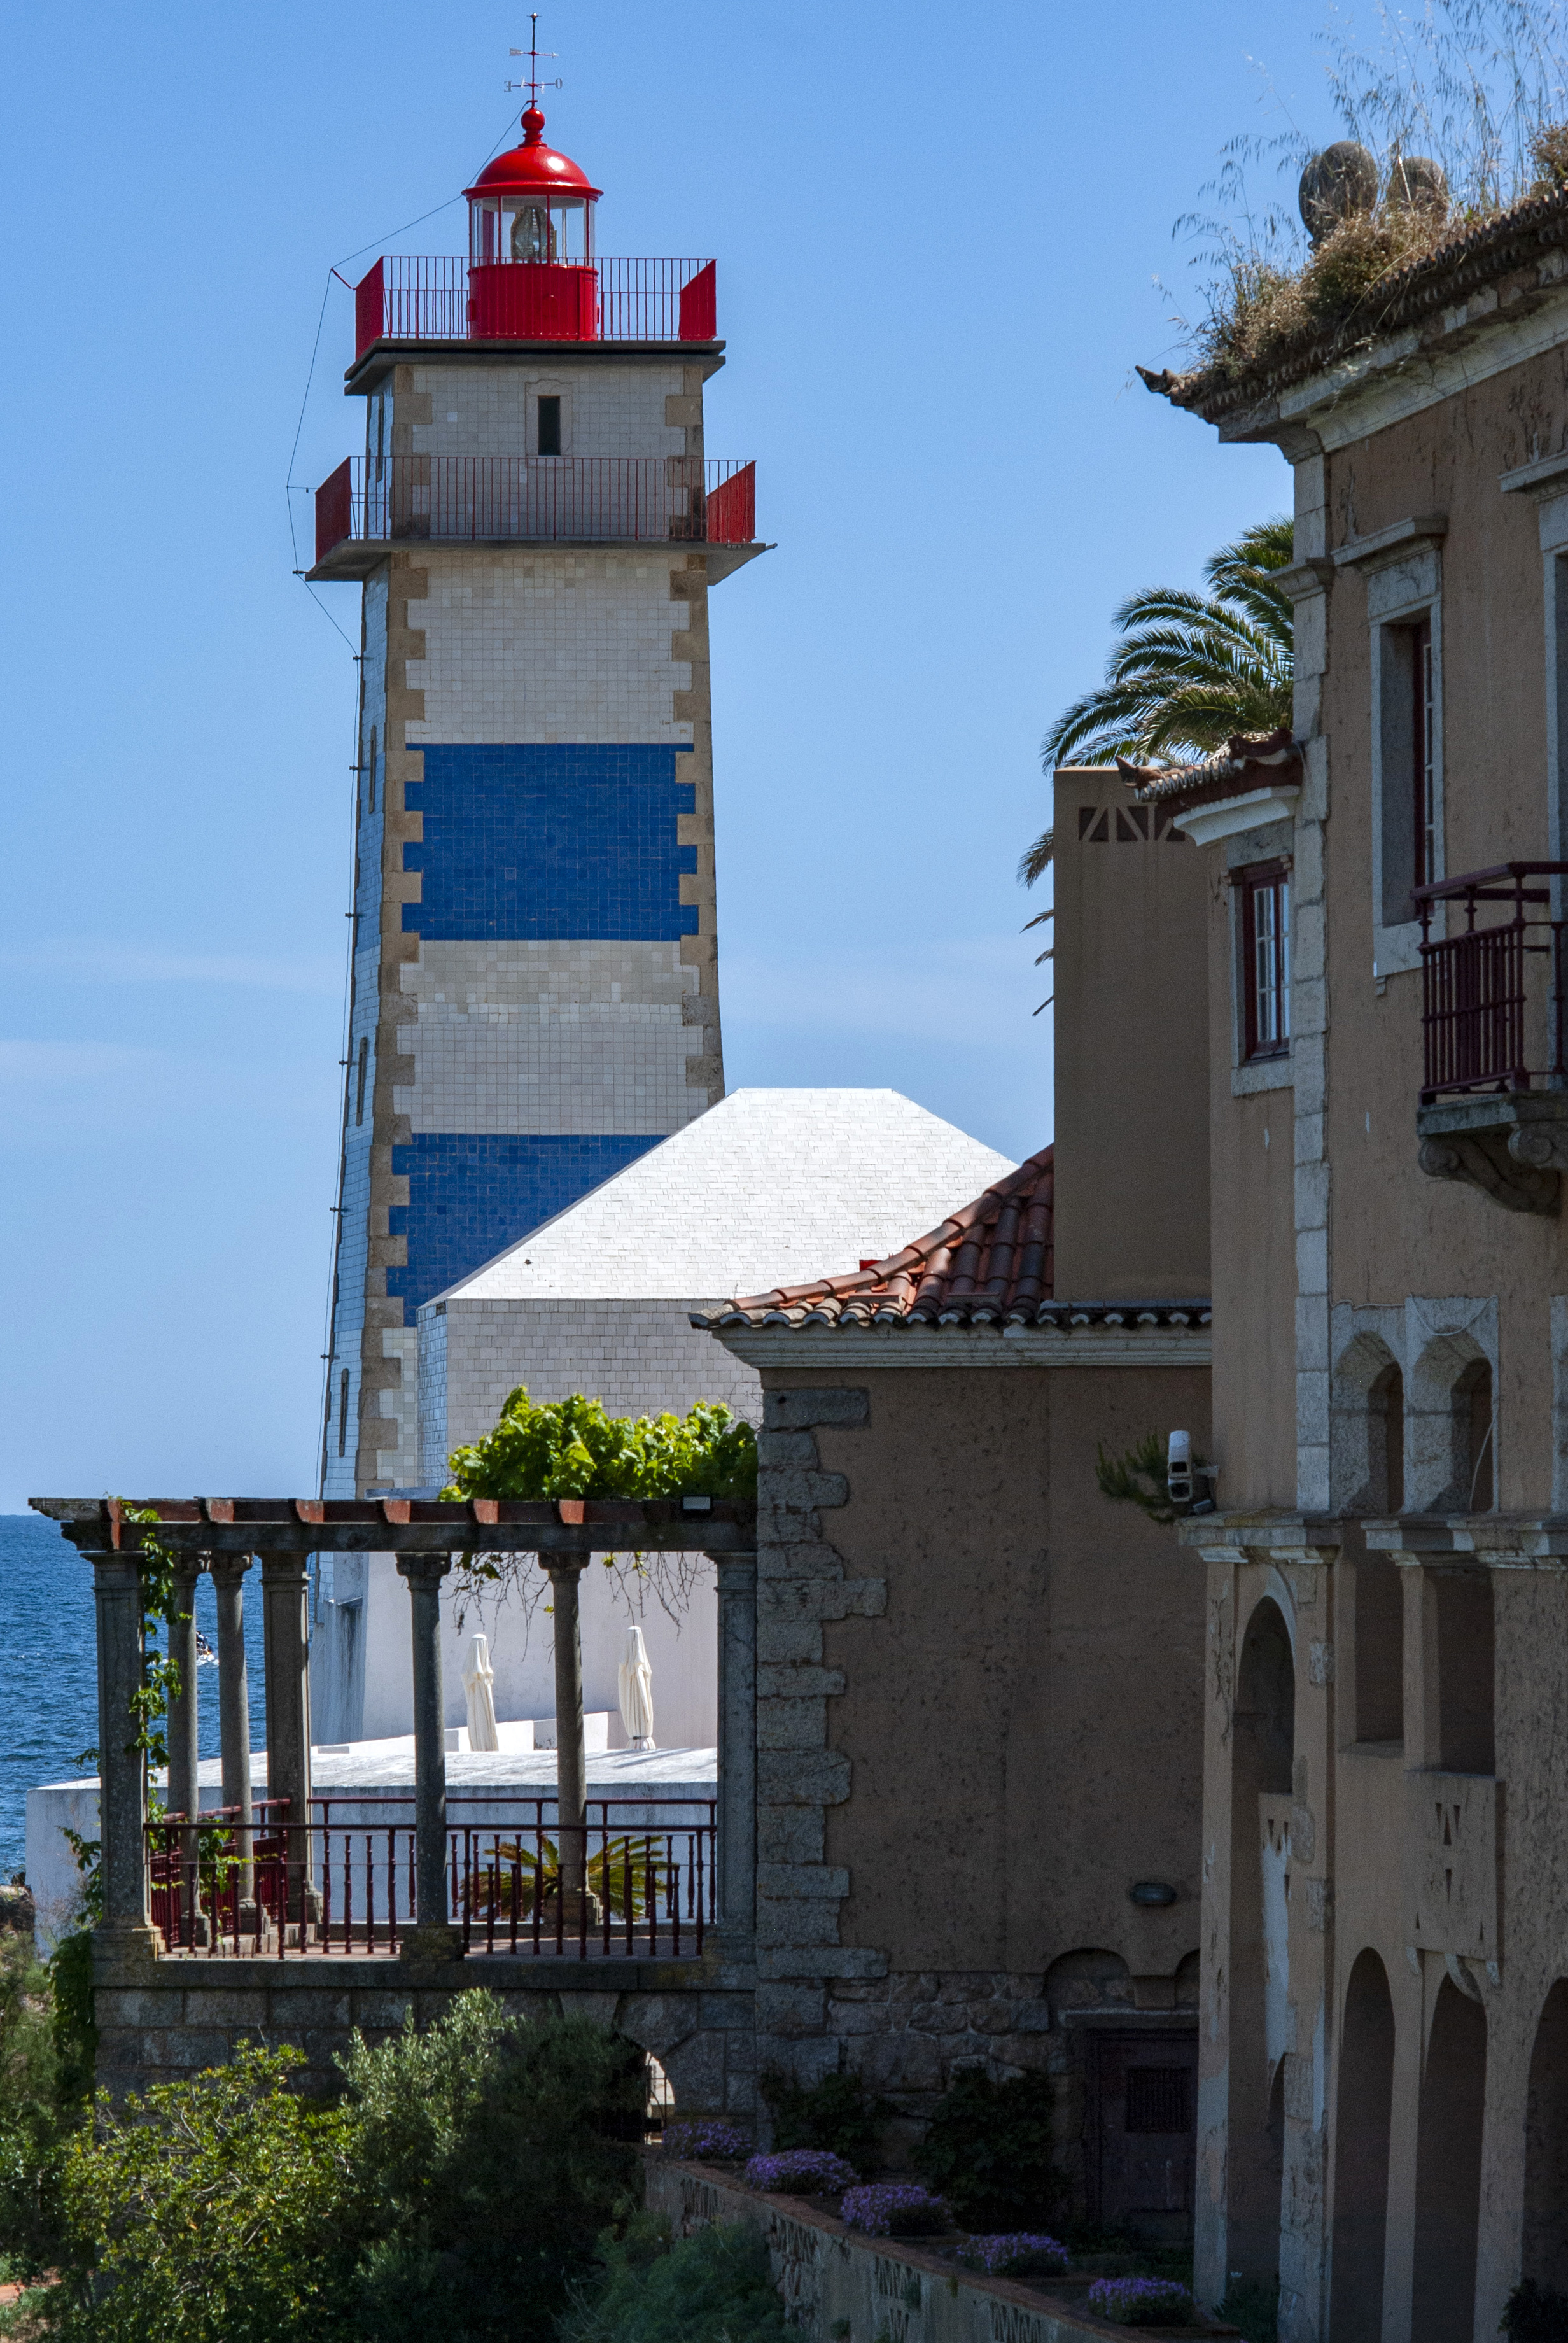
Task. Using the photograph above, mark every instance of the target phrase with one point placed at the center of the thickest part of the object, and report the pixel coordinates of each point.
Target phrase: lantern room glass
(525, 225)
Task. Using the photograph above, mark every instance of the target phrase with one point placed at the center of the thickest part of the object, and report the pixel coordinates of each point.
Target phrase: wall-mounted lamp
(1153, 1891)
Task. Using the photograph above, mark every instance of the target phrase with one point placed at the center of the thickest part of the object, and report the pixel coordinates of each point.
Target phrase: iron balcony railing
(345, 1882)
(406, 298)
(1482, 1019)
(541, 499)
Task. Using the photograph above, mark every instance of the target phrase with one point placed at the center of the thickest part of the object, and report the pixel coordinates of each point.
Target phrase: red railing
(1475, 1000)
(539, 498)
(425, 299)
(346, 1883)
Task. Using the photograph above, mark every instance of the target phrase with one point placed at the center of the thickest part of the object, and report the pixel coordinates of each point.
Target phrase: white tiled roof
(769, 1187)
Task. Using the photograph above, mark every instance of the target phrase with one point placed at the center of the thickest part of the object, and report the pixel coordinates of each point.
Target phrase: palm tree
(1190, 670)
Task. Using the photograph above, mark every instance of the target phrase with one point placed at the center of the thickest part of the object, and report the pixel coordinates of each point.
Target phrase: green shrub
(988, 2151)
(572, 1448)
(75, 2027)
(835, 2114)
(713, 2287)
(1534, 2314)
(210, 2211)
(43, 2083)
(489, 2154)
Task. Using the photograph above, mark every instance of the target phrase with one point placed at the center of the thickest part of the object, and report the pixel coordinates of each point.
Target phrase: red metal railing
(653, 1885)
(425, 299)
(539, 498)
(1475, 998)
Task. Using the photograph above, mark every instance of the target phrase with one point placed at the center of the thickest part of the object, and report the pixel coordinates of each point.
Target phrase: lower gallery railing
(344, 1882)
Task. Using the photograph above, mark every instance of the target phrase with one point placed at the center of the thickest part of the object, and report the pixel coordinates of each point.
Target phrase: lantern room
(531, 273)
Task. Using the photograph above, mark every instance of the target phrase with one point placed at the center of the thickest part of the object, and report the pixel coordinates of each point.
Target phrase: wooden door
(1143, 2091)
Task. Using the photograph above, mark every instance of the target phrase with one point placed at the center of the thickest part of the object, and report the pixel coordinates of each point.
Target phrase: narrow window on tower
(373, 768)
(1265, 970)
(343, 1412)
(550, 425)
(359, 1083)
(1423, 772)
(1408, 803)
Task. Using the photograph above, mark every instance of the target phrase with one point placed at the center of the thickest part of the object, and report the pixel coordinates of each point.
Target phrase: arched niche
(1450, 1448)
(1545, 2238)
(1448, 2169)
(1263, 1749)
(1367, 1428)
(1362, 2122)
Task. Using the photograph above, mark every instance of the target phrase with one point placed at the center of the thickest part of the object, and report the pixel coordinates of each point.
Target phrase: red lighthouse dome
(531, 275)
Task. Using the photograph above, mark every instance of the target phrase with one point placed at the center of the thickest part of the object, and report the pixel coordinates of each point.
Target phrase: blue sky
(937, 237)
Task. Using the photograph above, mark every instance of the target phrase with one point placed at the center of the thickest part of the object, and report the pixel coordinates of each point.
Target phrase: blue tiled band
(471, 1195)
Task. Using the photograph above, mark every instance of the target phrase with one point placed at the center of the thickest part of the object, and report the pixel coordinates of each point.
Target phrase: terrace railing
(344, 1881)
(1485, 1013)
(545, 500)
(407, 297)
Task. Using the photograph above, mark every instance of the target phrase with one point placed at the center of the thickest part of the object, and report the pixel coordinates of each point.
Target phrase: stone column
(285, 1648)
(228, 1572)
(566, 1572)
(184, 1797)
(122, 1771)
(433, 1939)
(736, 1751)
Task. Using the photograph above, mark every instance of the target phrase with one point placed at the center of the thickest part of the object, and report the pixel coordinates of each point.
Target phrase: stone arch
(1545, 2241)
(1189, 1979)
(1449, 1427)
(1088, 1978)
(1363, 2118)
(1448, 2169)
(1262, 1746)
(1367, 1428)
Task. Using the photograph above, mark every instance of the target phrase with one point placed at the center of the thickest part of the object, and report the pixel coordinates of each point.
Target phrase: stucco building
(1383, 2110)
(980, 1696)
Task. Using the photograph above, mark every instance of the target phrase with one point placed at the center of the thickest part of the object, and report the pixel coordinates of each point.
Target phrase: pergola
(223, 1535)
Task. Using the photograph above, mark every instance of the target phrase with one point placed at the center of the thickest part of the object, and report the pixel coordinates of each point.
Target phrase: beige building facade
(978, 1711)
(1384, 2104)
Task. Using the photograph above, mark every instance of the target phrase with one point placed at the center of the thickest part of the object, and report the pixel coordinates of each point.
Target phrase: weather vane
(533, 54)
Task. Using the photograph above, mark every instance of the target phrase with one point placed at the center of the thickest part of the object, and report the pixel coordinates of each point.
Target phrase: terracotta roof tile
(1242, 765)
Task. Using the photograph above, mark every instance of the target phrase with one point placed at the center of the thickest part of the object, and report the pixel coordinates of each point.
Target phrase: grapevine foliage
(572, 1448)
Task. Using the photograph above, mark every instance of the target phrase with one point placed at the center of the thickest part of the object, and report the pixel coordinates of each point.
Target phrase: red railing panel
(1475, 1000)
(699, 312)
(334, 510)
(732, 509)
(370, 308)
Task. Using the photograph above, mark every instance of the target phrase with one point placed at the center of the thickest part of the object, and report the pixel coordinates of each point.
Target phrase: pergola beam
(406, 1524)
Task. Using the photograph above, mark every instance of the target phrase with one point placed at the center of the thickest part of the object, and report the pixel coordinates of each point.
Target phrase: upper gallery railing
(547, 498)
(412, 298)
(1482, 1020)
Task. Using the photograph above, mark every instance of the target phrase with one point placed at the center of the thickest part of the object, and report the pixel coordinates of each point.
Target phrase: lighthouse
(537, 524)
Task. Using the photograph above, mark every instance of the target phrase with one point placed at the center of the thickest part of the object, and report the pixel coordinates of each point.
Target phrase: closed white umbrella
(637, 1692)
(478, 1678)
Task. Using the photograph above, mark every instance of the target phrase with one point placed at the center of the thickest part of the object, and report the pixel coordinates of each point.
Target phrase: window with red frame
(1265, 892)
(1422, 730)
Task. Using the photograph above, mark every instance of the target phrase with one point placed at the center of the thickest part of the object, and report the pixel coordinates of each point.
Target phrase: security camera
(1179, 1468)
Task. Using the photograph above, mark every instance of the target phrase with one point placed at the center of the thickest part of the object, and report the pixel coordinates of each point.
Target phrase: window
(1157, 2099)
(550, 425)
(1422, 737)
(360, 1088)
(1265, 891)
(343, 1412)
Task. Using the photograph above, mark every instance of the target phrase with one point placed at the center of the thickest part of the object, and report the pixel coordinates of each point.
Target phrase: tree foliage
(1190, 671)
(573, 1448)
(836, 2113)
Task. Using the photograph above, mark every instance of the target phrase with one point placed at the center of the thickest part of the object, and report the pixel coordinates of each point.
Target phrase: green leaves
(988, 2150)
(1191, 671)
(572, 1448)
(713, 2287)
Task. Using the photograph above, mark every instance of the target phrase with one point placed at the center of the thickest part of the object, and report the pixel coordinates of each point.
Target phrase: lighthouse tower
(537, 524)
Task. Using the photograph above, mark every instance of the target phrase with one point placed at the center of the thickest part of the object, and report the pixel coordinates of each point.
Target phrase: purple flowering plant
(1012, 2253)
(892, 2209)
(1140, 2302)
(801, 2172)
(710, 2142)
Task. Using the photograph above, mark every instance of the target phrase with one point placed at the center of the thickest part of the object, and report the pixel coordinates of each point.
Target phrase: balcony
(1493, 1107)
(360, 514)
(434, 298)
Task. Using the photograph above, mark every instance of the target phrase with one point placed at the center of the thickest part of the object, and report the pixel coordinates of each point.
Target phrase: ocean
(48, 1669)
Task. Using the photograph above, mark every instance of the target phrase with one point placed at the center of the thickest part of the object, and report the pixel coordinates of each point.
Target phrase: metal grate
(1157, 2099)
